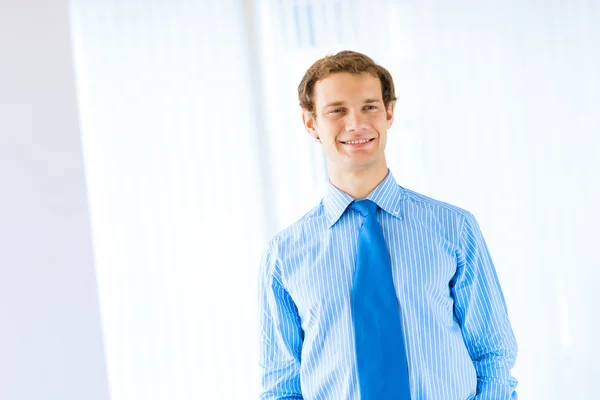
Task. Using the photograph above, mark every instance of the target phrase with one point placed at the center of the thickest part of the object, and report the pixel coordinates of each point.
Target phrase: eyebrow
(341, 103)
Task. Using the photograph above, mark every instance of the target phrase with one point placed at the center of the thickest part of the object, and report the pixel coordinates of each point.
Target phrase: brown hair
(344, 61)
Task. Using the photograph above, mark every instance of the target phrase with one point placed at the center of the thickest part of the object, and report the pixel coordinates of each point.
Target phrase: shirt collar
(387, 195)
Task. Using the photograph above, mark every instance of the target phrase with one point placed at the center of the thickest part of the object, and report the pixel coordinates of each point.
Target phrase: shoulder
(438, 212)
(298, 234)
(423, 202)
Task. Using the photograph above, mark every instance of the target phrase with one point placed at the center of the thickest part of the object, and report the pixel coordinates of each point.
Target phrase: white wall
(177, 204)
(50, 332)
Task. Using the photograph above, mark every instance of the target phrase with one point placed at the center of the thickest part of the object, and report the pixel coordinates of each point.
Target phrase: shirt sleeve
(480, 308)
(281, 334)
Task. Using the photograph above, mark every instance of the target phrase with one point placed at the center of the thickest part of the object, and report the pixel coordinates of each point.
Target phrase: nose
(355, 121)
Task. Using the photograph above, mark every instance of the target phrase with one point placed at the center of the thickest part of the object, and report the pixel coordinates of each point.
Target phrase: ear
(310, 124)
(389, 114)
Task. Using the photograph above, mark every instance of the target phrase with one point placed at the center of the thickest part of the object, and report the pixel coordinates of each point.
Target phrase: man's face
(351, 121)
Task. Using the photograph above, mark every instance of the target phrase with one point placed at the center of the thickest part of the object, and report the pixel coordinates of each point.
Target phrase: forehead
(347, 87)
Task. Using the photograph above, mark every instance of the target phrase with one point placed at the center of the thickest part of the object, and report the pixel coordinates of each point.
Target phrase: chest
(423, 262)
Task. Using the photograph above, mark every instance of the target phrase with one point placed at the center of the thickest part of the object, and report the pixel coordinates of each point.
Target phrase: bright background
(195, 156)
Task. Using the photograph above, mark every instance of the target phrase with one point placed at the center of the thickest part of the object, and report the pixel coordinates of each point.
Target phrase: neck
(360, 183)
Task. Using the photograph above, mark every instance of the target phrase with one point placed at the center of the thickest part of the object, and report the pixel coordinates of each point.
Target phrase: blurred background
(150, 149)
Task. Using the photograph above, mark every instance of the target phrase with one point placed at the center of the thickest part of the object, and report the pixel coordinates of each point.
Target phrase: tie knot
(364, 207)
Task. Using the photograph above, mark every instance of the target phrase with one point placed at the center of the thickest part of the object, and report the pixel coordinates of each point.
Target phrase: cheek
(382, 124)
(330, 129)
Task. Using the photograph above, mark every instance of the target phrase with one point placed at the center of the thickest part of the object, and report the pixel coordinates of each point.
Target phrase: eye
(336, 111)
(371, 107)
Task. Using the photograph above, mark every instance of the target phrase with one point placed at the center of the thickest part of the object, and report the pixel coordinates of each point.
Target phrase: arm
(281, 335)
(481, 311)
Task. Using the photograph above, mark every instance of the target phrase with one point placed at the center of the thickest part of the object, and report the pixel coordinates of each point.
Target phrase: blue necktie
(380, 352)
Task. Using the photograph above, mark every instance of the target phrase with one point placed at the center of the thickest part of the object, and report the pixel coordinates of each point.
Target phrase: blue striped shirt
(459, 341)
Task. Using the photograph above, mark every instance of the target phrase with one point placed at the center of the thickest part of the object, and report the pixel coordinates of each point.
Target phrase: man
(378, 293)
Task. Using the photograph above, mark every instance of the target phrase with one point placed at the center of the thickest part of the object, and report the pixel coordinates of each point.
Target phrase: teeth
(358, 141)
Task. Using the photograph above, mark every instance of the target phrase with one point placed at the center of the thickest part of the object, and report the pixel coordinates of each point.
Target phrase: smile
(357, 141)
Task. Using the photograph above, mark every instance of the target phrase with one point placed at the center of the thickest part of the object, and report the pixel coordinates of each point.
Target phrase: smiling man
(377, 293)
